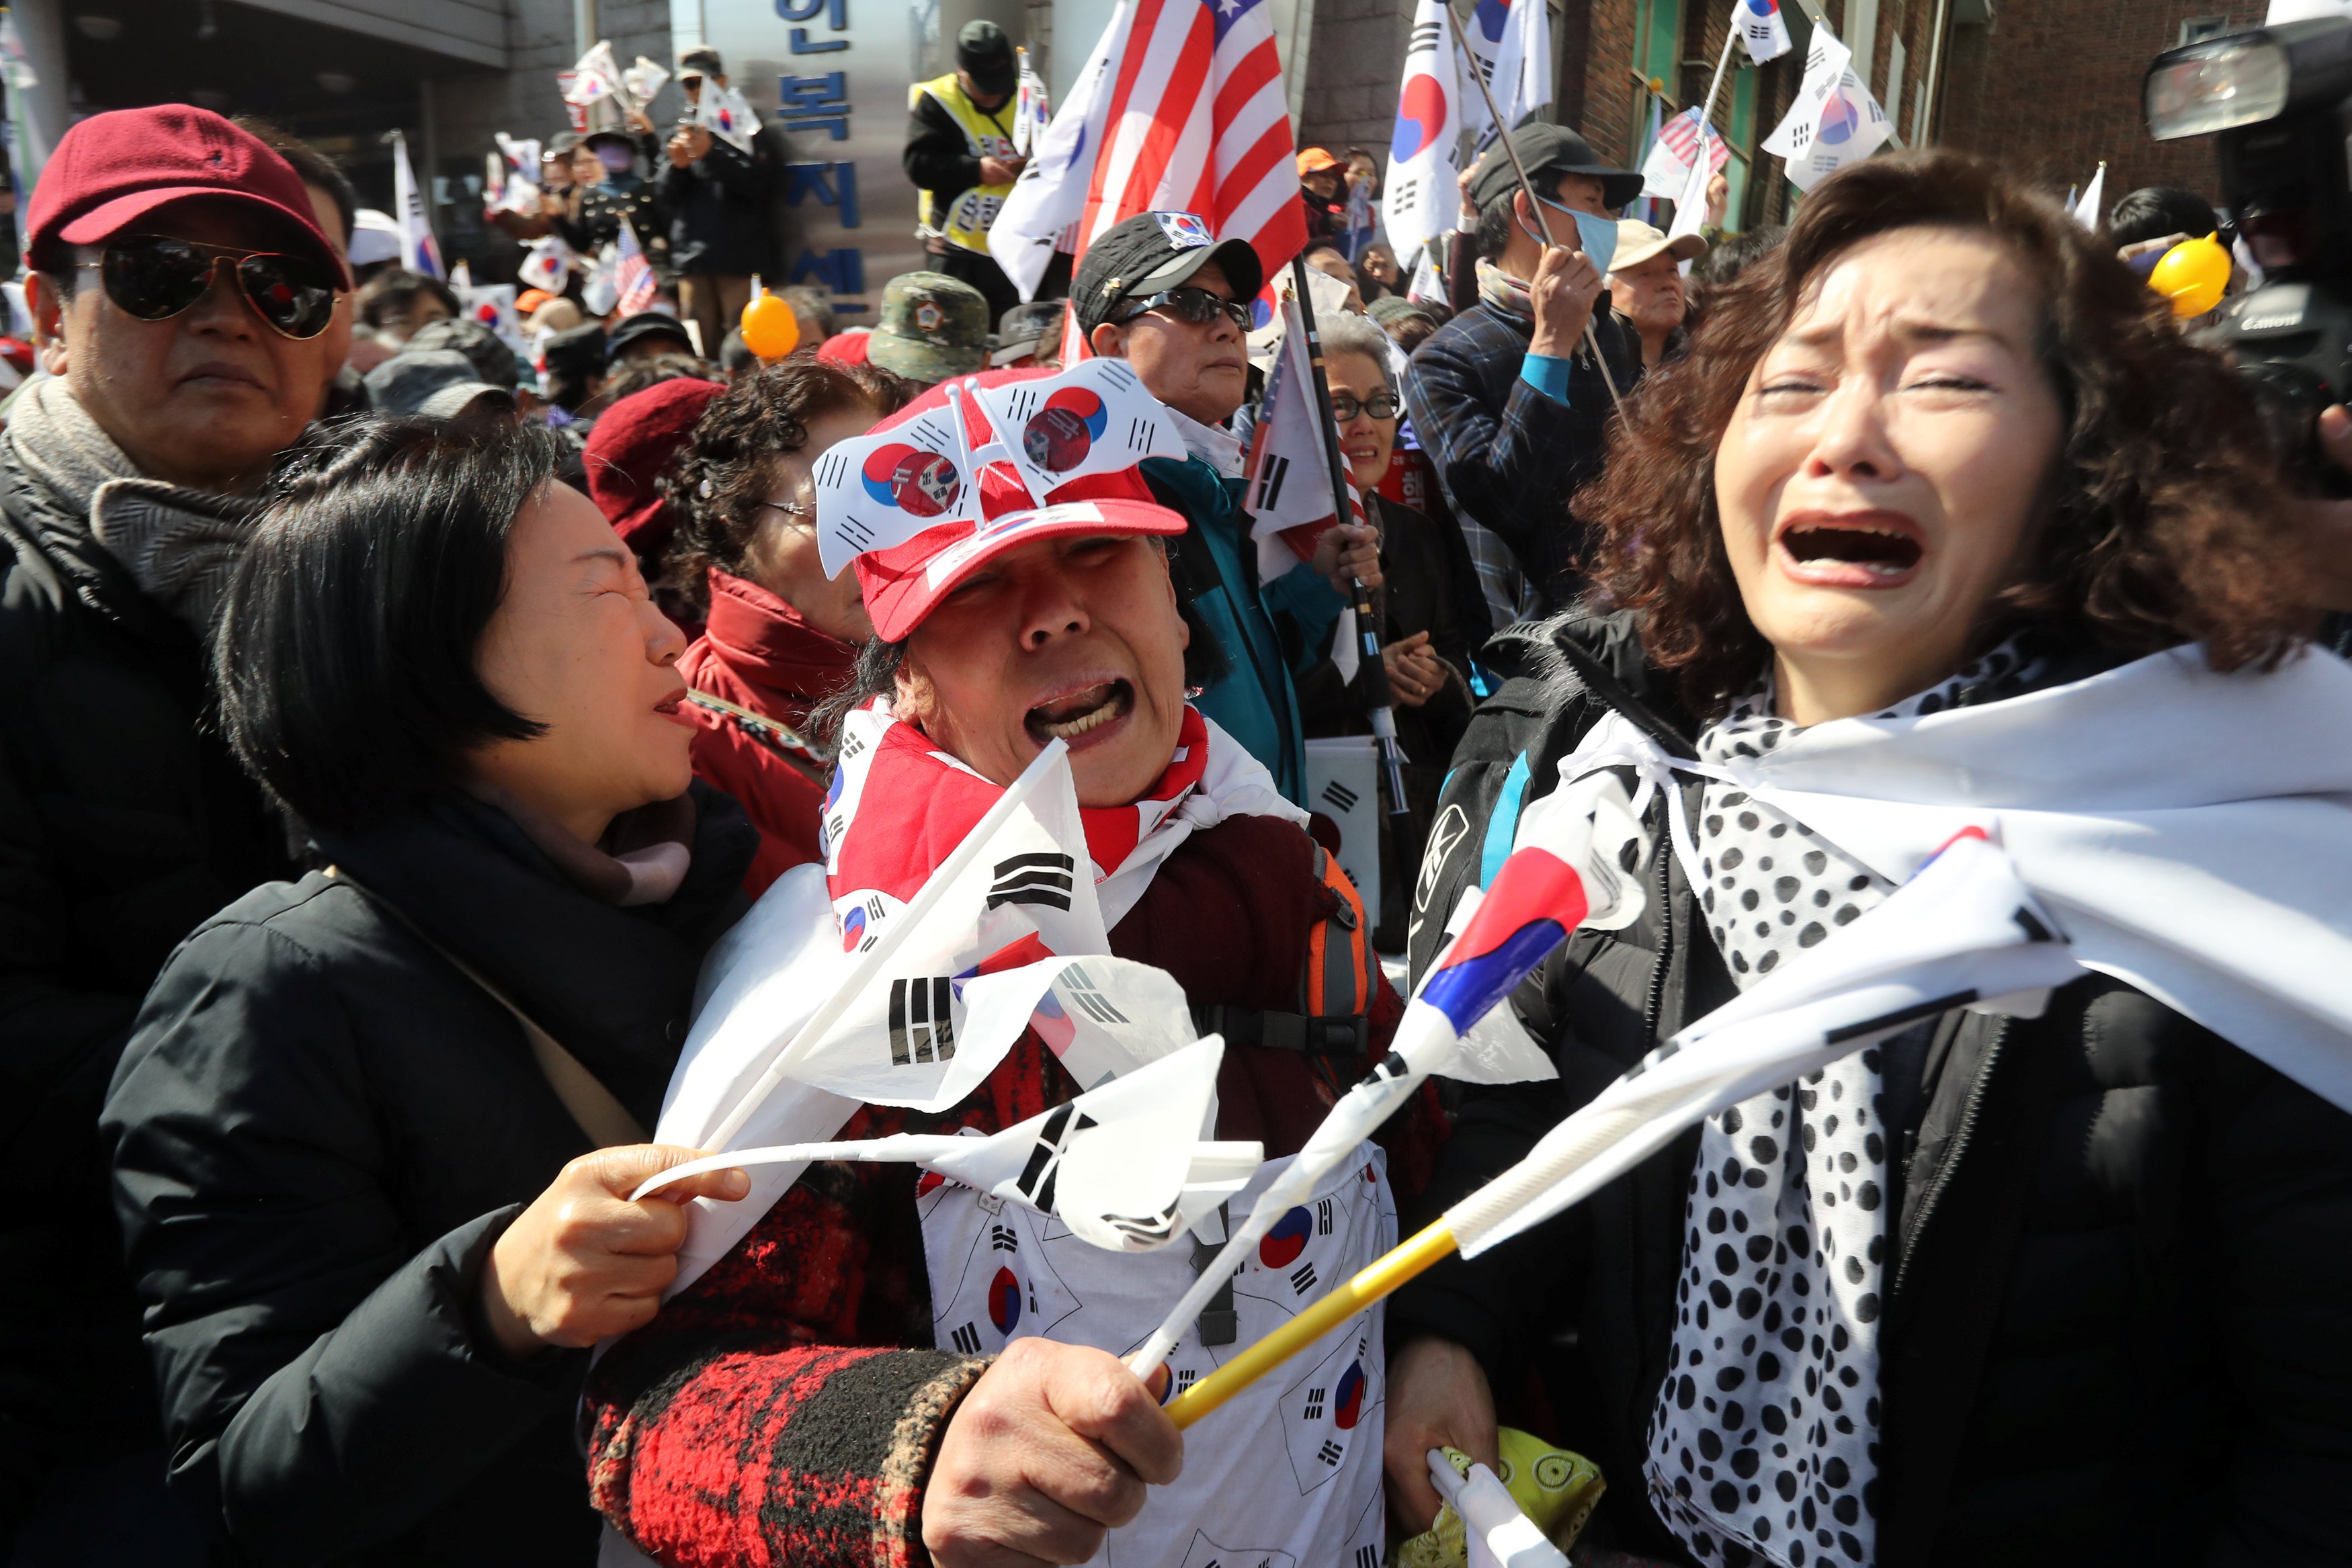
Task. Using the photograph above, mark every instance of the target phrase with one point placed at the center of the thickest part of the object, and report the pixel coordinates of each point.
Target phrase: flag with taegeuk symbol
(1834, 122)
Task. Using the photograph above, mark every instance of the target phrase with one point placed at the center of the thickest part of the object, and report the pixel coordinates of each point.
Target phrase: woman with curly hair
(780, 636)
(1941, 523)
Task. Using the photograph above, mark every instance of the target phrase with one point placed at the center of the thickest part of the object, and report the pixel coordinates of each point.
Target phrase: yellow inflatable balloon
(2193, 275)
(770, 329)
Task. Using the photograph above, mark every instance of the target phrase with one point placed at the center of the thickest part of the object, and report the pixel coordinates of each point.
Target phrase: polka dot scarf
(1764, 1445)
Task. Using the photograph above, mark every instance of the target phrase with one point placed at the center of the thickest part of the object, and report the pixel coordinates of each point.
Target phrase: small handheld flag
(1556, 881)
(1964, 932)
(1762, 28)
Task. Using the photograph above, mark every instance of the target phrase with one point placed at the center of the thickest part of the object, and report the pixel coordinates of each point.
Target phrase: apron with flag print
(1286, 1475)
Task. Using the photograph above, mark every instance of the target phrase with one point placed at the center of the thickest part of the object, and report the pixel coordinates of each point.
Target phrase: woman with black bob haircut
(364, 1133)
(1941, 528)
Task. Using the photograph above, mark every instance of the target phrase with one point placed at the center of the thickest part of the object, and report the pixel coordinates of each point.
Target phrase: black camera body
(2278, 102)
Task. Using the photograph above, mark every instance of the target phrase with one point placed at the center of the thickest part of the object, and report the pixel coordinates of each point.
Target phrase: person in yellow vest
(959, 156)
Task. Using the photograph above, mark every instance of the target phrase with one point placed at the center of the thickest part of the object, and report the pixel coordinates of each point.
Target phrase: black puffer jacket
(319, 1129)
(124, 823)
(2122, 1247)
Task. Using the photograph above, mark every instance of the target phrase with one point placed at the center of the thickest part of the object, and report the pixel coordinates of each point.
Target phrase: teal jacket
(1269, 632)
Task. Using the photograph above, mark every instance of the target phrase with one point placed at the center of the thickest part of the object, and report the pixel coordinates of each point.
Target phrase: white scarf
(2191, 832)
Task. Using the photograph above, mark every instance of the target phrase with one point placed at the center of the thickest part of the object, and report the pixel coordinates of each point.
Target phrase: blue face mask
(1596, 238)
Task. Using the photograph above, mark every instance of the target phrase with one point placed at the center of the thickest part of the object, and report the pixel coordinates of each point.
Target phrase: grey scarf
(178, 545)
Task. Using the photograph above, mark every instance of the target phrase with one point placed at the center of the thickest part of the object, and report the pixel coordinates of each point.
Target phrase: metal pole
(1502, 135)
(1377, 707)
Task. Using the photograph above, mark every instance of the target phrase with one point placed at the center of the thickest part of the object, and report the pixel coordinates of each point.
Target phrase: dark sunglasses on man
(1379, 405)
(155, 277)
(1196, 306)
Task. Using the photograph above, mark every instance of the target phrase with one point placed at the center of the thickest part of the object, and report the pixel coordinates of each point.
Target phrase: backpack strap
(595, 1108)
(1335, 987)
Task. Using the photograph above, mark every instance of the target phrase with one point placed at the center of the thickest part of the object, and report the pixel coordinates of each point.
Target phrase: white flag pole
(894, 936)
(1502, 135)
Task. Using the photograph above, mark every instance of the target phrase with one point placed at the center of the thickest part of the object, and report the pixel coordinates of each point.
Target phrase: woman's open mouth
(1076, 714)
(674, 709)
(1857, 551)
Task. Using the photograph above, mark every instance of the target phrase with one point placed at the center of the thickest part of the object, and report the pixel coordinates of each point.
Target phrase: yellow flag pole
(1379, 1279)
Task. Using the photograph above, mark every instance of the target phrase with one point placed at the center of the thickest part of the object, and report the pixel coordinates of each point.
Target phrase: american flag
(1198, 124)
(1680, 135)
(633, 276)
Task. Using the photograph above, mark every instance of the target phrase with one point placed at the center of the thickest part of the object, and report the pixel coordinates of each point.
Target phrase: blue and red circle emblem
(1840, 117)
(853, 926)
(1060, 434)
(1281, 1246)
(1004, 1302)
(1489, 18)
(1419, 114)
(922, 484)
(1763, 7)
(1347, 1399)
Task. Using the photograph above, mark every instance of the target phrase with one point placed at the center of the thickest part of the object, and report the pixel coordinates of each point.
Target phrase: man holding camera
(718, 196)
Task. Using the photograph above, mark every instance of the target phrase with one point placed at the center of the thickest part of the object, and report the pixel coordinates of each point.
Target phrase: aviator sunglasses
(1197, 306)
(155, 277)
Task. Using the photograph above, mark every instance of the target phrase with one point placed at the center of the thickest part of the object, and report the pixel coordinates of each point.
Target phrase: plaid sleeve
(1508, 470)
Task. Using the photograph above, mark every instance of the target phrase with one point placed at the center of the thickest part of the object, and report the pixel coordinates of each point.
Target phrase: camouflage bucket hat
(933, 327)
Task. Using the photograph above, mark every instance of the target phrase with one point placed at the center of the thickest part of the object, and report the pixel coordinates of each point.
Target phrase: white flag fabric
(511, 182)
(1510, 41)
(879, 491)
(1834, 121)
(597, 77)
(726, 114)
(1290, 475)
(1965, 931)
(600, 289)
(1052, 190)
(1093, 418)
(15, 63)
(1421, 198)
(1115, 1164)
(2088, 212)
(1032, 106)
(1762, 28)
(2213, 874)
(644, 80)
(417, 251)
(493, 306)
(547, 265)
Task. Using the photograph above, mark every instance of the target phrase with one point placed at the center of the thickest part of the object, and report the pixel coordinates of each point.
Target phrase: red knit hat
(632, 443)
(113, 169)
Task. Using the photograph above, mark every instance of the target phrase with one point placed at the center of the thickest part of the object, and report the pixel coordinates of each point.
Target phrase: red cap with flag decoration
(981, 464)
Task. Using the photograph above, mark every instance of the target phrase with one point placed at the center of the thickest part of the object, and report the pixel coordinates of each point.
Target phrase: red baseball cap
(113, 169)
(903, 584)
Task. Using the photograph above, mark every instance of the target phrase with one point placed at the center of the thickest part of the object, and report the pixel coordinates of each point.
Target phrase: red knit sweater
(784, 1409)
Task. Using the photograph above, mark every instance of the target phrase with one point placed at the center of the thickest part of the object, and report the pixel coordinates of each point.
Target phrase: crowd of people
(392, 724)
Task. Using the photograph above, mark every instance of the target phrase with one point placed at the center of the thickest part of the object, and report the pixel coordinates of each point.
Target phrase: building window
(2197, 29)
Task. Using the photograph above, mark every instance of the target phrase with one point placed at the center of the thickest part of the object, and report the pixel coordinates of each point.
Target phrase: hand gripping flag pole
(1964, 932)
(893, 934)
(1503, 136)
(1377, 710)
(1556, 880)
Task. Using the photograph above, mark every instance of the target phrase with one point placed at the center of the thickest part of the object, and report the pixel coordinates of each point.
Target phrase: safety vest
(966, 222)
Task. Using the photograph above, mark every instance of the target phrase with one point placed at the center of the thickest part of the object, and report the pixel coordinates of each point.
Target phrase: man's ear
(48, 308)
(1108, 340)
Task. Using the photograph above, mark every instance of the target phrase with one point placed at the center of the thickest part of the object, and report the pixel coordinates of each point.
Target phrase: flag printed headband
(905, 504)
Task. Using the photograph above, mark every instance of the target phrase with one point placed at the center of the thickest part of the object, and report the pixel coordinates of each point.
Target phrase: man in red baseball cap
(182, 292)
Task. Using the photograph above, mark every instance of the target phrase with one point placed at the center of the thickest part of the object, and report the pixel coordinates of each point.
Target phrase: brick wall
(2052, 89)
(1355, 62)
